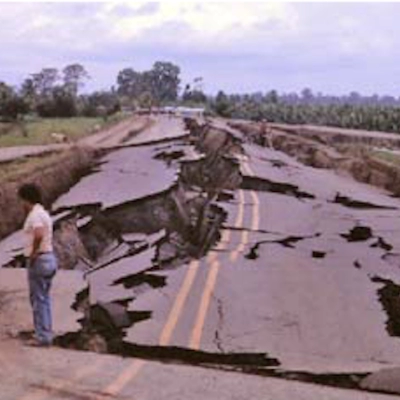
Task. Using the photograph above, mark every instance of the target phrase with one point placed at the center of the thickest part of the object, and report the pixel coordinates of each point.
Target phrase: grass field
(38, 131)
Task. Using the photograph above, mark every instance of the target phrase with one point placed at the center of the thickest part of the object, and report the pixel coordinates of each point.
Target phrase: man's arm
(38, 234)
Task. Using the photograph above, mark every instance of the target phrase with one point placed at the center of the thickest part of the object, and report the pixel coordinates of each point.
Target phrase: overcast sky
(234, 46)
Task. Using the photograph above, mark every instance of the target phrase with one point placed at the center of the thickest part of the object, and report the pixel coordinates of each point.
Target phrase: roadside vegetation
(39, 131)
(51, 102)
(353, 111)
(52, 94)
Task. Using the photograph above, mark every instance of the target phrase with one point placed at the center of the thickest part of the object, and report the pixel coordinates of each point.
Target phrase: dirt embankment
(336, 136)
(356, 161)
(54, 176)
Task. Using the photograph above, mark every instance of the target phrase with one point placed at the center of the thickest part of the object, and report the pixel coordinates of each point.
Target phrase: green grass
(38, 131)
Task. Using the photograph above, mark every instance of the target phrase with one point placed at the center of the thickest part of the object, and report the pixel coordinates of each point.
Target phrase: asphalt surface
(287, 278)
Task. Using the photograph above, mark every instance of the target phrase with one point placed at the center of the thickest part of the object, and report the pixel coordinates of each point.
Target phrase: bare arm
(38, 234)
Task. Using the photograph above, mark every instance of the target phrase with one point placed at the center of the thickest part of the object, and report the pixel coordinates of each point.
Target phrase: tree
(130, 83)
(164, 80)
(272, 97)
(222, 105)
(193, 93)
(11, 105)
(45, 80)
(28, 93)
(74, 76)
(146, 100)
(100, 104)
(59, 103)
(307, 95)
(194, 96)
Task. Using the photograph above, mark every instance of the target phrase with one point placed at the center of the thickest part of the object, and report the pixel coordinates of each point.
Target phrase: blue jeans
(40, 275)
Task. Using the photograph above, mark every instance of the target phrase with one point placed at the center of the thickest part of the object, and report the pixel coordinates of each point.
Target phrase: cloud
(234, 45)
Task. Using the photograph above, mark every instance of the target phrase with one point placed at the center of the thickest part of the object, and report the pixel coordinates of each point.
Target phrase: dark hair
(31, 193)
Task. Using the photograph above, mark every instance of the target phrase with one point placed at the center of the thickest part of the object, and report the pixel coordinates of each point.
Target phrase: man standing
(41, 261)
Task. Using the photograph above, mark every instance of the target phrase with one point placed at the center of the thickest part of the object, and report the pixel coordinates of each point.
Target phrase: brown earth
(55, 176)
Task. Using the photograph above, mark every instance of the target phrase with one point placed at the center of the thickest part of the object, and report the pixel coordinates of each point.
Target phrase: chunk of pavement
(385, 380)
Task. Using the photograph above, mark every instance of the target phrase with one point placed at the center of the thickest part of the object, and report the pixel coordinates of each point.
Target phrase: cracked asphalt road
(283, 278)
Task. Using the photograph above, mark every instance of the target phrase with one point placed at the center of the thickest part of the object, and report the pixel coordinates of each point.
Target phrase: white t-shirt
(38, 218)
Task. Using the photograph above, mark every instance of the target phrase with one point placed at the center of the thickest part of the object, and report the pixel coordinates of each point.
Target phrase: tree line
(58, 93)
(54, 93)
(350, 111)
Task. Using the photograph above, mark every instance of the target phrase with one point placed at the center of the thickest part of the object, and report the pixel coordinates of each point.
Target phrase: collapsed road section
(209, 249)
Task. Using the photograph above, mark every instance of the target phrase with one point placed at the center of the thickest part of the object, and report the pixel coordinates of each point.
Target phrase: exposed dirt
(54, 178)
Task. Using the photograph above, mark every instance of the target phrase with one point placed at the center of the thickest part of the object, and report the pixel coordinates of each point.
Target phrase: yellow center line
(180, 300)
(225, 238)
(204, 304)
(129, 374)
(256, 203)
(238, 224)
(240, 213)
(195, 339)
(132, 371)
(255, 223)
(255, 217)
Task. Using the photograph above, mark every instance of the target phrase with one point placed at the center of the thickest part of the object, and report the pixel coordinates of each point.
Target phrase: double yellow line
(211, 281)
(134, 368)
(234, 254)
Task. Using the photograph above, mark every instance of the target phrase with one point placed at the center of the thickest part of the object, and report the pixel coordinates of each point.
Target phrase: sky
(238, 47)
